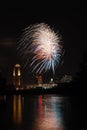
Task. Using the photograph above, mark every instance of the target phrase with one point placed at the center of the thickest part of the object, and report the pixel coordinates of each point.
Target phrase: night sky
(70, 22)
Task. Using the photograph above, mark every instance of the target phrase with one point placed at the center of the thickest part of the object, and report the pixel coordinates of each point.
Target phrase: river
(40, 112)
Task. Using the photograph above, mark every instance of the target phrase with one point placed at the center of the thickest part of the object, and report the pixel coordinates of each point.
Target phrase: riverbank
(61, 90)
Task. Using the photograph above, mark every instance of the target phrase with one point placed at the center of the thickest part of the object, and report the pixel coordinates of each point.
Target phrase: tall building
(39, 78)
(17, 76)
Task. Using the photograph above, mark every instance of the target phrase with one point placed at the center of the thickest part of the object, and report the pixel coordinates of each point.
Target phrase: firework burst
(40, 48)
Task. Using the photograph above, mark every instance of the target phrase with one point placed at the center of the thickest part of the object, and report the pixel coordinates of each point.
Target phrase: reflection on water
(47, 111)
(36, 112)
(49, 114)
(17, 109)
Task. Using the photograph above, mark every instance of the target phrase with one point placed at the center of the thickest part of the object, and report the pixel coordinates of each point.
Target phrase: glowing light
(17, 109)
(17, 65)
(16, 75)
(40, 48)
(14, 72)
(19, 72)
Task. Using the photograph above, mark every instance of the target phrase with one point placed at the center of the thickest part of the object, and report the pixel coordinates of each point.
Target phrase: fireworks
(40, 48)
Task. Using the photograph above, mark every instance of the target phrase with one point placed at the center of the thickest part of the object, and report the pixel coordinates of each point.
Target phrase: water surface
(38, 112)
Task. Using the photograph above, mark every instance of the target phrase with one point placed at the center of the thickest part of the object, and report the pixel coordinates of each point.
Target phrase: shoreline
(65, 91)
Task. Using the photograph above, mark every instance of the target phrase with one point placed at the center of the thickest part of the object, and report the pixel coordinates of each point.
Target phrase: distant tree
(80, 81)
(2, 82)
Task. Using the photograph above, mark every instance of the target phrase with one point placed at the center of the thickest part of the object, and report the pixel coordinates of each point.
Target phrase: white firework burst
(40, 48)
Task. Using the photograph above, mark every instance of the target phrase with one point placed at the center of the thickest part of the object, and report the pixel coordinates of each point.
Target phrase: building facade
(17, 76)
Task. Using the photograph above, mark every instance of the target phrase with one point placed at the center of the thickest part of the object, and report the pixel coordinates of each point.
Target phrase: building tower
(39, 80)
(17, 76)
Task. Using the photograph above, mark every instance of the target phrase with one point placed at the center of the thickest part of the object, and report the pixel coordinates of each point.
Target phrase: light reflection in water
(40, 107)
(17, 109)
(41, 112)
(49, 116)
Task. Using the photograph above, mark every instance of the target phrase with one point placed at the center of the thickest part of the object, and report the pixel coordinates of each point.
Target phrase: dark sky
(70, 22)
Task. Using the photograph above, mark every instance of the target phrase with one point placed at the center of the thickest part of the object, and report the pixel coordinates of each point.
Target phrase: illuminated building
(17, 76)
(39, 78)
(66, 79)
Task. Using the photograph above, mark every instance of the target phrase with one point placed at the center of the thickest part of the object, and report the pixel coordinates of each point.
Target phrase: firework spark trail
(40, 47)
